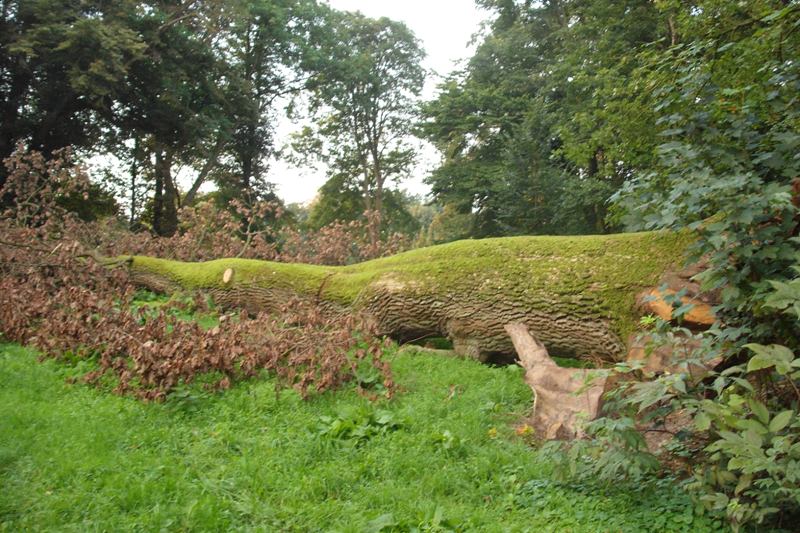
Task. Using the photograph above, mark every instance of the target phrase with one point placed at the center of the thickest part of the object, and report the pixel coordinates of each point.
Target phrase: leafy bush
(728, 172)
(358, 426)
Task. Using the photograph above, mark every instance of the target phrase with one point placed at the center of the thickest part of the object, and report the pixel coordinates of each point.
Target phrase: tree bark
(209, 165)
(579, 294)
(158, 195)
(135, 158)
(165, 205)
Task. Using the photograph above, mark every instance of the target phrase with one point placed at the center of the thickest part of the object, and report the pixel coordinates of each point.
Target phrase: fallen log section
(579, 294)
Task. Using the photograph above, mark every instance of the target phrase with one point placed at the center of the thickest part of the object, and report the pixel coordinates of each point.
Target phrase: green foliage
(447, 225)
(340, 199)
(569, 362)
(357, 426)
(183, 306)
(434, 522)
(167, 86)
(545, 122)
(728, 115)
(267, 50)
(437, 343)
(754, 447)
(61, 63)
(445, 442)
(362, 94)
(742, 452)
(98, 203)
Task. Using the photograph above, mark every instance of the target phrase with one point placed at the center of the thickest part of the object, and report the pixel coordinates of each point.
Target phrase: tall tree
(340, 199)
(363, 97)
(266, 51)
(173, 99)
(535, 132)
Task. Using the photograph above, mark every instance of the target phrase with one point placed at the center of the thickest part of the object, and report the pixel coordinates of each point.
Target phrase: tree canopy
(363, 96)
(161, 85)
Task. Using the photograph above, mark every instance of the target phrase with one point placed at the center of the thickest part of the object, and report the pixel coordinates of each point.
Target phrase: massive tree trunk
(579, 294)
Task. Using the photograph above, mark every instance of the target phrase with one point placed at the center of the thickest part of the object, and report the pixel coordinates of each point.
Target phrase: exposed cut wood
(700, 316)
(565, 398)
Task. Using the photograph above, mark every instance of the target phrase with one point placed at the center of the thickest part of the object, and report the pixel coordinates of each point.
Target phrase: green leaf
(759, 409)
(744, 482)
(738, 462)
(753, 438)
(682, 310)
(780, 421)
(730, 437)
(752, 424)
(381, 523)
(702, 421)
(776, 15)
(775, 355)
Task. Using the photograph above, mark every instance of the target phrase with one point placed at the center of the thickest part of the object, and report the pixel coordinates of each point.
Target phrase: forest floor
(442, 455)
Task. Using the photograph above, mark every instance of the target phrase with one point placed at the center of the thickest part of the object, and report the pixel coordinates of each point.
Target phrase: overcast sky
(445, 28)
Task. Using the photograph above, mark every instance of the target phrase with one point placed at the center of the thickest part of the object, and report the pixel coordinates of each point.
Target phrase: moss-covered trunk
(576, 294)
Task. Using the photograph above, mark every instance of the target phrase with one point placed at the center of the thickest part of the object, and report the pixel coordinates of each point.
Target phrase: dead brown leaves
(56, 297)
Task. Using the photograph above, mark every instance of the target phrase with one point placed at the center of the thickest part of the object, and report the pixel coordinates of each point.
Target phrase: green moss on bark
(591, 277)
(208, 275)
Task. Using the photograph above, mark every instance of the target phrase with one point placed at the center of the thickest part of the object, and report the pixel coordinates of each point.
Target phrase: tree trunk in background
(158, 196)
(171, 199)
(165, 204)
(135, 158)
(377, 224)
(211, 162)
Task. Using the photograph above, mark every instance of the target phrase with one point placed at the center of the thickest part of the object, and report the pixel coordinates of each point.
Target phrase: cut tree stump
(565, 398)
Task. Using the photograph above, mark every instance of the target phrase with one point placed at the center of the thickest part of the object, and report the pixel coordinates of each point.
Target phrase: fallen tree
(579, 294)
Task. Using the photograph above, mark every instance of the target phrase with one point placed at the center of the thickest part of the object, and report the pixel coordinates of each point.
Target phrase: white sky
(445, 28)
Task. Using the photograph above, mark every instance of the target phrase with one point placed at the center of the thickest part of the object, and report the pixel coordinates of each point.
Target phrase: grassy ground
(441, 456)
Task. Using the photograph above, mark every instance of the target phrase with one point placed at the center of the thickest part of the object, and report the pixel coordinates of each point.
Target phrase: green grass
(73, 458)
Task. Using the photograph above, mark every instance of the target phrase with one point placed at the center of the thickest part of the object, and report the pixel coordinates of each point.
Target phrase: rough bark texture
(577, 293)
(564, 398)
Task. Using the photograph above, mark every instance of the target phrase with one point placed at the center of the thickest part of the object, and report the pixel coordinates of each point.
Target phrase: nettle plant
(730, 173)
